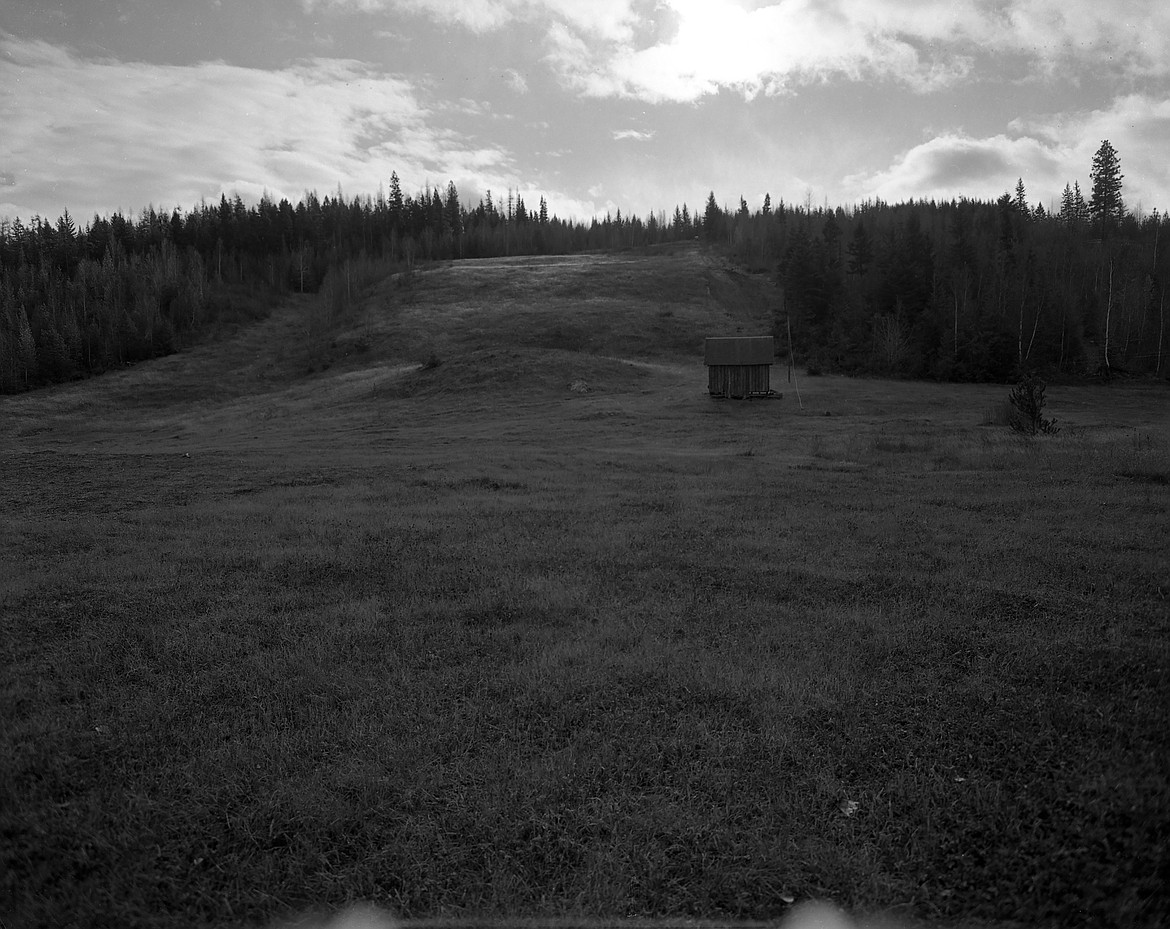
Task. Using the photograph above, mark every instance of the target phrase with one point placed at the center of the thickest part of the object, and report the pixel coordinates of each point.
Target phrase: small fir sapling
(1026, 412)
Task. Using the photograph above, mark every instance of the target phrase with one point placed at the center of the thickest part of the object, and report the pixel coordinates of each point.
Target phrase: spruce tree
(395, 204)
(1021, 199)
(860, 250)
(711, 217)
(1068, 208)
(1080, 208)
(452, 214)
(1105, 204)
(831, 233)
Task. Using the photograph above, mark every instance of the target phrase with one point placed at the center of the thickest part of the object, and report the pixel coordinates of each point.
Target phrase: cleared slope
(529, 326)
(629, 305)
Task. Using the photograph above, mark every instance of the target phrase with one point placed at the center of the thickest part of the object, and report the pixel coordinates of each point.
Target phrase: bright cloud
(925, 45)
(634, 135)
(769, 48)
(847, 99)
(171, 135)
(955, 165)
(1137, 125)
(681, 50)
(1046, 152)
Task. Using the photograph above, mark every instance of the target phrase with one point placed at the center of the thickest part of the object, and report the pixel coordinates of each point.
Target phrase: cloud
(97, 135)
(516, 81)
(566, 206)
(1125, 36)
(954, 165)
(1137, 125)
(683, 49)
(1046, 152)
(633, 134)
(708, 45)
(477, 15)
(608, 19)
(360, 6)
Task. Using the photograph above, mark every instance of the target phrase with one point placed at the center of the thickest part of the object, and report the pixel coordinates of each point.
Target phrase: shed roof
(740, 350)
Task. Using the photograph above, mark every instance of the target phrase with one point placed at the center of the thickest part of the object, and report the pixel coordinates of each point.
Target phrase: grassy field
(478, 605)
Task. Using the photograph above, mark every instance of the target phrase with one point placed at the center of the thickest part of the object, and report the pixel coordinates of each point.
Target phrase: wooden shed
(739, 367)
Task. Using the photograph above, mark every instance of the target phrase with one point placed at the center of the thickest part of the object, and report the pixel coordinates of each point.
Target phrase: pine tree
(395, 204)
(831, 233)
(1068, 210)
(66, 240)
(860, 250)
(711, 217)
(1021, 199)
(1080, 208)
(1007, 226)
(452, 215)
(1105, 204)
(66, 228)
(436, 216)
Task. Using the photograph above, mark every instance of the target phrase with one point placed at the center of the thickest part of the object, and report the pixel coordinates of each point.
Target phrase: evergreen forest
(963, 290)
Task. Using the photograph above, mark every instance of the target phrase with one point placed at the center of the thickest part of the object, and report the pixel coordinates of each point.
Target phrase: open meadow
(473, 603)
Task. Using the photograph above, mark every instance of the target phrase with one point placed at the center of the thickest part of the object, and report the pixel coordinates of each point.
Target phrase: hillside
(527, 326)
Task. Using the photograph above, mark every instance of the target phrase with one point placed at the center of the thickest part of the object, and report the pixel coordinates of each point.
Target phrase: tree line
(965, 290)
(78, 300)
(958, 290)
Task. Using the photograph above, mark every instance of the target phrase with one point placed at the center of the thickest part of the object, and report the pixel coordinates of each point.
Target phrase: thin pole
(792, 360)
(1161, 328)
(1108, 314)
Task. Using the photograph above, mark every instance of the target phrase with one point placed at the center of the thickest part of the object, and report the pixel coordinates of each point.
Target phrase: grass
(463, 641)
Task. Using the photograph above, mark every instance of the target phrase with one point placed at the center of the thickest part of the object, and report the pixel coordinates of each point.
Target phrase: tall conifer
(1105, 204)
(395, 204)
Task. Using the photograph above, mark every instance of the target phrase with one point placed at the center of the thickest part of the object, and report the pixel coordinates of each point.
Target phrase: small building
(739, 367)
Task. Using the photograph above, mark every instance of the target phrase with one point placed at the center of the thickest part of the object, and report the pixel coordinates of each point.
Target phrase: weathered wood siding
(738, 381)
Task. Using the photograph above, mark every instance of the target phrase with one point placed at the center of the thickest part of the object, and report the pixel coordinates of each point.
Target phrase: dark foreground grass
(629, 653)
(581, 686)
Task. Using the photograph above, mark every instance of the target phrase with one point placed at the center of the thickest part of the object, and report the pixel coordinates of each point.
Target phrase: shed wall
(738, 381)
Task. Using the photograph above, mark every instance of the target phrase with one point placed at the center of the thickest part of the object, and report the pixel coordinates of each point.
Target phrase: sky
(597, 105)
